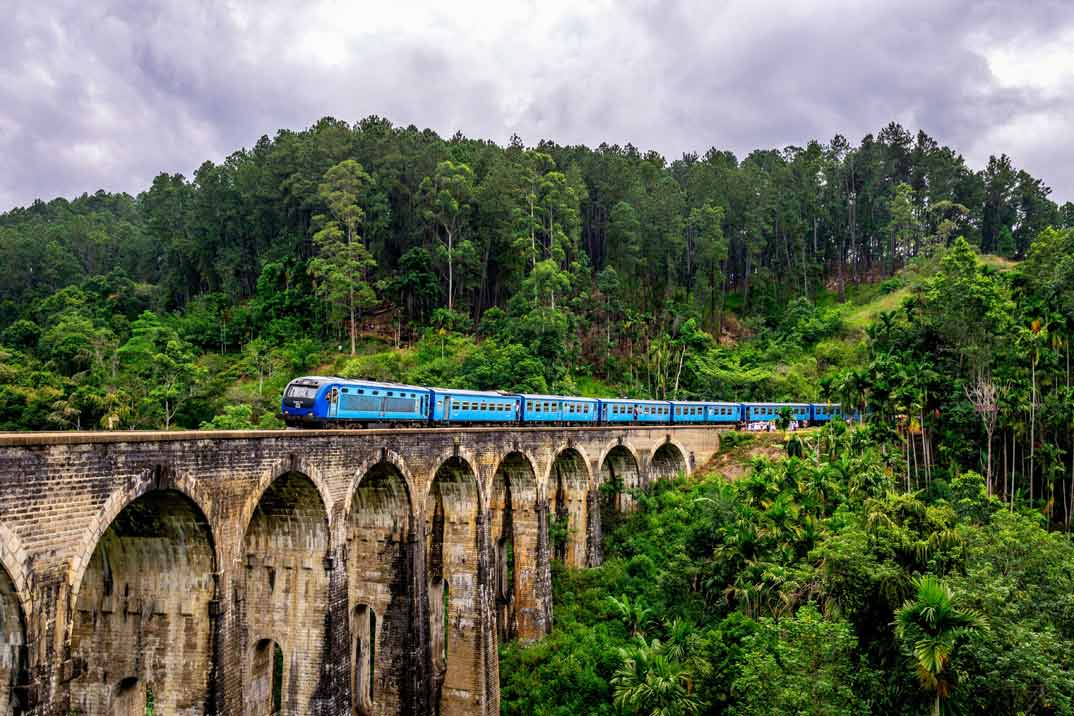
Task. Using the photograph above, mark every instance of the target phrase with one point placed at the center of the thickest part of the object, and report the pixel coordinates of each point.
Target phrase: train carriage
(724, 413)
(452, 405)
(625, 410)
(705, 412)
(558, 409)
(824, 412)
(322, 400)
(688, 411)
(769, 412)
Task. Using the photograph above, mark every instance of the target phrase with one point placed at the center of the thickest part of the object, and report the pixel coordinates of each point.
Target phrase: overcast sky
(106, 94)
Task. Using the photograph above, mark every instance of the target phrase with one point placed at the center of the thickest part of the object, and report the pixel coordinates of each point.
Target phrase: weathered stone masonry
(314, 572)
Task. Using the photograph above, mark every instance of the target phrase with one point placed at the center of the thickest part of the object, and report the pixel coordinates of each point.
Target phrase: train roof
(388, 385)
(702, 402)
(635, 400)
(805, 405)
(539, 396)
(480, 393)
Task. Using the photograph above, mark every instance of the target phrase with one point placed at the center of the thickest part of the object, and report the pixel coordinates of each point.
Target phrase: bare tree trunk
(1032, 428)
(678, 373)
(450, 270)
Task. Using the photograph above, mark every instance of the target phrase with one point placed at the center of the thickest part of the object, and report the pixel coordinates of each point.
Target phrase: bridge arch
(290, 464)
(263, 686)
(669, 460)
(13, 561)
(13, 613)
(141, 619)
(386, 458)
(286, 561)
(380, 594)
(159, 477)
(569, 484)
(517, 517)
(453, 524)
(620, 472)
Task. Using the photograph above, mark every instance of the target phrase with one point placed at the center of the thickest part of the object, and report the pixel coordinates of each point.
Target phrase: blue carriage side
(767, 412)
(724, 413)
(625, 410)
(374, 401)
(688, 411)
(558, 409)
(824, 412)
(451, 405)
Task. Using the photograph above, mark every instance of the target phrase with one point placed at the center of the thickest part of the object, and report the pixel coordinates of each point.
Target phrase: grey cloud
(107, 96)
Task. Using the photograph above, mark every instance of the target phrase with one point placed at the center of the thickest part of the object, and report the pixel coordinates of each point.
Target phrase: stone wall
(323, 572)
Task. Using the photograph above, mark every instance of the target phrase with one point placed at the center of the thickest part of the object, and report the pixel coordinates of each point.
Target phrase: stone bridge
(297, 572)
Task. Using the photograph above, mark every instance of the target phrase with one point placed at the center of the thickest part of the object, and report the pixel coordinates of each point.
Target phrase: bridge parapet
(380, 566)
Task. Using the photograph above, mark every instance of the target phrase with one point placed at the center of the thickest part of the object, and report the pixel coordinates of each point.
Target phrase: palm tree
(930, 626)
(635, 615)
(649, 682)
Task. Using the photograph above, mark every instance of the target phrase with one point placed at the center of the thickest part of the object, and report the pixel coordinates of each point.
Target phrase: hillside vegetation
(811, 585)
(920, 562)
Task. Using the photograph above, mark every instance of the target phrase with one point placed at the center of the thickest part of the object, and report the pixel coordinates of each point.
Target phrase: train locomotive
(325, 401)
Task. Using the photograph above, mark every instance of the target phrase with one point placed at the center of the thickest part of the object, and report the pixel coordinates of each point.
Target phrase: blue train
(319, 401)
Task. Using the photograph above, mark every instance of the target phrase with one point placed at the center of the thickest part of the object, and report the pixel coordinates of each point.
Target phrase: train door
(333, 402)
(447, 407)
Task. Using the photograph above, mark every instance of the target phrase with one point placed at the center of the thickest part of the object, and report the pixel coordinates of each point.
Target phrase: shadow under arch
(380, 565)
(569, 484)
(159, 478)
(669, 460)
(453, 542)
(620, 473)
(285, 548)
(290, 464)
(518, 519)
(263, 687)
(142, 621)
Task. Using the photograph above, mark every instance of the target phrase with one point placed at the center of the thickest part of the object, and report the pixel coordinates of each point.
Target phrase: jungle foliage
(814, 585)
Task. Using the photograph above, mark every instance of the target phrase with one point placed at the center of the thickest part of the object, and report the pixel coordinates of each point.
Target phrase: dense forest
(814, 585)
(919, 562)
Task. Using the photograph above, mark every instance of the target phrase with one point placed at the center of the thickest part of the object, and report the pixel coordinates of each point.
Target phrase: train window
(484, 406)
(388, 393)
(376, 392)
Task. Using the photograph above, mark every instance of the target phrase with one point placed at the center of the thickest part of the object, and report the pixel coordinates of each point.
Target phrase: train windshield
(301, 391)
